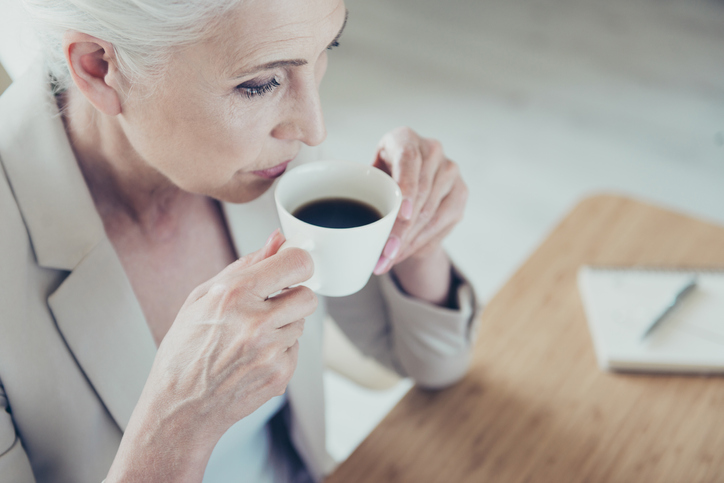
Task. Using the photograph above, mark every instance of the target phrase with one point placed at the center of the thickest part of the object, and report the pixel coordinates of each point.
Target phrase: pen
(679, 297)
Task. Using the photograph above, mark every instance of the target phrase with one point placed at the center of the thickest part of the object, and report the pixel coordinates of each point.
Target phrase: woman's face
(233, 110)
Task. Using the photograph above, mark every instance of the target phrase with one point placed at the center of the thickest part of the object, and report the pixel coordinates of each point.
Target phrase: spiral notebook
(621, 303)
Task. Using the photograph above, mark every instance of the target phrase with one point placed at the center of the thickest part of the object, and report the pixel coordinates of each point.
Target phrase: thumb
(273, 244)
(383, 161)
(271, 247)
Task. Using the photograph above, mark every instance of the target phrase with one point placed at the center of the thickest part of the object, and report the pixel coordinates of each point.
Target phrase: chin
(243, 192)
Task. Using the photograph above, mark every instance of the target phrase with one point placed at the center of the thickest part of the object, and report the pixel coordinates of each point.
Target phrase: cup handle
(308, 245)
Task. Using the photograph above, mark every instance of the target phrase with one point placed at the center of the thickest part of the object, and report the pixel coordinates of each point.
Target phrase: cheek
(198, 146)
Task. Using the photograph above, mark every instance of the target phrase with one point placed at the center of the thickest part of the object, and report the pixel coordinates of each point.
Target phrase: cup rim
(362, 167)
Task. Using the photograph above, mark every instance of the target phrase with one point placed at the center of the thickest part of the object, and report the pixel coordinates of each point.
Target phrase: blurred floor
(541, 102)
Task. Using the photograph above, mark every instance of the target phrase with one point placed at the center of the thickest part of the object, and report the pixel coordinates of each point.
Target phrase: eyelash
(259, 91)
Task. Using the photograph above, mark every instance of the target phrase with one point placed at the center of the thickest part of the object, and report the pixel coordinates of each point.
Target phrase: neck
(125, 189)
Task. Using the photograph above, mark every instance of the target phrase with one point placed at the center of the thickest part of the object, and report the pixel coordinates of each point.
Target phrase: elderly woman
(137, 338)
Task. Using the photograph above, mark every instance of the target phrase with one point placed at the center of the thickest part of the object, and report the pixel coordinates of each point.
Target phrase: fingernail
(382, 265)
(406, 209)
(271, 237)
(392, 247)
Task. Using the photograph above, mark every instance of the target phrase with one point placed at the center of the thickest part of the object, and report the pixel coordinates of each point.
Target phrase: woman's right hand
(230, 349)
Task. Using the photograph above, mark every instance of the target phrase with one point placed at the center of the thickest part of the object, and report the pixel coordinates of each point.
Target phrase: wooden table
(534, 406)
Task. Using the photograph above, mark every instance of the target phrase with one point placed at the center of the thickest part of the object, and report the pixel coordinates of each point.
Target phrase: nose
(305, 121)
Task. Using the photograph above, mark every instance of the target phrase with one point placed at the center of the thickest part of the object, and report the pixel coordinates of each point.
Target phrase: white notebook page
(621, 303)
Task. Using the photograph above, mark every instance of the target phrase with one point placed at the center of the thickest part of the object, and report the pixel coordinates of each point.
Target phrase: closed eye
(258, 90)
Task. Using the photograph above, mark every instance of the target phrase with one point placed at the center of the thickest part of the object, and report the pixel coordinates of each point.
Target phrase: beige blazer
(75, 350)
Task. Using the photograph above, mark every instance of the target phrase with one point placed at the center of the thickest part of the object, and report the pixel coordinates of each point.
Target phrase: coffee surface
(337, 213)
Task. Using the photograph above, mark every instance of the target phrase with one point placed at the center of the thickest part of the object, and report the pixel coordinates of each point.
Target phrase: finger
(399, 155)
(274, 243)
(432, 161)
(286, 336)
(413, 247)
(271, 247)
(281, 270)
(290, 305)
(275, 240)
(402, 236)
(445, 181)
(392, 246)
(448, 215)
(293, 354)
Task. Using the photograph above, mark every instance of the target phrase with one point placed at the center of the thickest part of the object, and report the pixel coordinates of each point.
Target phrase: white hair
(144, 33)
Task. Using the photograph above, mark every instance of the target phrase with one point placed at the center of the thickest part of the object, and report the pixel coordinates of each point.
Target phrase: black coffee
(337, 213)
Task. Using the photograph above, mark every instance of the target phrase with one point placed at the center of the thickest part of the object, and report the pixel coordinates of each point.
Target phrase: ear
(94, 70)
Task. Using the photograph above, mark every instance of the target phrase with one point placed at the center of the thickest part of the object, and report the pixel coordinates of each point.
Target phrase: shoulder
(14, 240)
(19, 110)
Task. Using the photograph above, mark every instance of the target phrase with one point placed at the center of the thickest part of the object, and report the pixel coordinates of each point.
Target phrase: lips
(274, 172)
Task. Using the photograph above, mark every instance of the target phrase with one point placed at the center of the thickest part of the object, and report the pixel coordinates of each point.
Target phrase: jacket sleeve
(430, 344)
(14, 463)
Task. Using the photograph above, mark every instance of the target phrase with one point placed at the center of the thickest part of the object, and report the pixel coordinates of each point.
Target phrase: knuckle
(299, 261)
(404, 132)
(198, 292)
(434, 223)
(299, 328)
(253, 340)
(218, 290)
(223, 294)
(434, 147)
(452, 168)
(308, 299)
(268, 356)
(409, 153)
(287, 372)
(279, 383)
(463, 191)
(281, 391)
(281, 377)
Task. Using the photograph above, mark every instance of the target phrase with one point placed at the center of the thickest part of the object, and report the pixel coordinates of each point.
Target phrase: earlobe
(93, 69)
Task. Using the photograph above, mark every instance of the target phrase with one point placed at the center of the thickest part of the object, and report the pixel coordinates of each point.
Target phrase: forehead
(259, 31)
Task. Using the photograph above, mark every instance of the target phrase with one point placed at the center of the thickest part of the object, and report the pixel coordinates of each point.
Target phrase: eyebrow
(339, 34)
(293, 62)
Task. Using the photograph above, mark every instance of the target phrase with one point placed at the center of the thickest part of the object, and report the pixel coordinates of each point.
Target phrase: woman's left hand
(433, 200)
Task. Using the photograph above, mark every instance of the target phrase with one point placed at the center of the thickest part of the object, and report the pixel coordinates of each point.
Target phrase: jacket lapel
(102, 323)
(94, 307)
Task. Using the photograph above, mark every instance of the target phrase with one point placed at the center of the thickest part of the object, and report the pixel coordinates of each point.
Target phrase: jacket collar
(94, 307)
(52, 195)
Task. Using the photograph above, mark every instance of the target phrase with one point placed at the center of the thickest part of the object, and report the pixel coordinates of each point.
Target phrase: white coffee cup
(344, 258)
